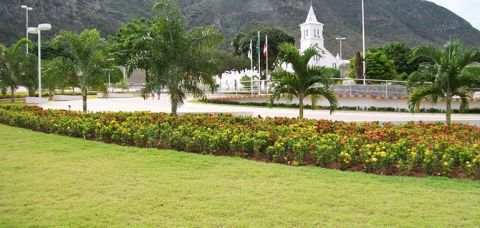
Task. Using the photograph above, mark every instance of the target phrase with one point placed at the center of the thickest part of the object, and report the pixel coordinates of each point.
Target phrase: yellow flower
(374, 159)
(428, 152)
(445, 163)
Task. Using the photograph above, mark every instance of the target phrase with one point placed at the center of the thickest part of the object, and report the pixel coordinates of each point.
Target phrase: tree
(237, 44)
(133, 45)
(378, 66)
(3, 84)
(89, 56)
(276, 36)
(178, 60)
(400, 53)
(28, 77)
(358, 67)
(13, 65)
(446, 78)
(304, 81)
(227, 61)
(59, 73)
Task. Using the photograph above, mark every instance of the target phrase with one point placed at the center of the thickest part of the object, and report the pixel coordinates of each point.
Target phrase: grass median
(49, 180)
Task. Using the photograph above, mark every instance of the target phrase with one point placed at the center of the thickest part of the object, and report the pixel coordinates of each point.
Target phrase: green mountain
(415, 22)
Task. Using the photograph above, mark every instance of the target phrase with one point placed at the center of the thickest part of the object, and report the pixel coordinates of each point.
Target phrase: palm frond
(431, 52)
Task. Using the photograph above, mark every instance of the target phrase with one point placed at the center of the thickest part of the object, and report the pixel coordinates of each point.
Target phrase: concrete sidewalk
(163, 105)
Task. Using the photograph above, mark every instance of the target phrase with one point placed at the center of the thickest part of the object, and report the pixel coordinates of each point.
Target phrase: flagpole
(259, 57)
(266, 56)
(266, 59)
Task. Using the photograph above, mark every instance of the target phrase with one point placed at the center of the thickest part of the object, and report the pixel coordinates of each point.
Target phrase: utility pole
(364, 57)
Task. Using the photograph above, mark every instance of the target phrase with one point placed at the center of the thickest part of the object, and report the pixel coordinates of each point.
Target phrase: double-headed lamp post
(38, 30)
(26, 8)
(341, 39)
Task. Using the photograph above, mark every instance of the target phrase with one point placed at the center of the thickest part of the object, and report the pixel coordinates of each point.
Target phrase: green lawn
(48, 180)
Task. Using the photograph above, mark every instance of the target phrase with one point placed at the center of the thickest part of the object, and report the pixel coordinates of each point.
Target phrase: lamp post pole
(341, 39)
(364, 57)
(38, 30)
(39, 64)
(26, 20)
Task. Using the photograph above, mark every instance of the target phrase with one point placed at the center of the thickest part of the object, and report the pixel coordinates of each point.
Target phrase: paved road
(163, 105)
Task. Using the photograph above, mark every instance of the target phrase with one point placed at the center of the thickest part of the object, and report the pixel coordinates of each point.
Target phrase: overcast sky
(468, 9)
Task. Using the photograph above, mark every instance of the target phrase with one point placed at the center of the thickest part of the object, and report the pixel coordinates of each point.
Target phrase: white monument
(312, 36)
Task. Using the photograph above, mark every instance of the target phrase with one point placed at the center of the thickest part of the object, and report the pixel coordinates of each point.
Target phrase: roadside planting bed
(412, 149)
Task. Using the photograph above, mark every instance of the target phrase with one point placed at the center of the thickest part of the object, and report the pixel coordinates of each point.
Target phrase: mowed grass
(49, 180)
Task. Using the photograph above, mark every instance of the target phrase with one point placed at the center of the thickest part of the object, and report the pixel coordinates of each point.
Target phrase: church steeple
(311, 16)
(312, 31)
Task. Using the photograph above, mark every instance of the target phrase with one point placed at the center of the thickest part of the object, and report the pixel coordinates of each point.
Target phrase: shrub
(410, 149)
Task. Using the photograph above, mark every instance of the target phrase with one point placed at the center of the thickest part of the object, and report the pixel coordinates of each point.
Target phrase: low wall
(361, 102)
(35, 100)
(115, 95)
(66, 98)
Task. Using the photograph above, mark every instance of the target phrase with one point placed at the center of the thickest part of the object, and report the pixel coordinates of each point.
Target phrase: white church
(312, 36)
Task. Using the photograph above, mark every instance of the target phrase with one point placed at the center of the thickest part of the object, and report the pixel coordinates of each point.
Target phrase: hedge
(44, 94)
(342, 108)
(413, 149)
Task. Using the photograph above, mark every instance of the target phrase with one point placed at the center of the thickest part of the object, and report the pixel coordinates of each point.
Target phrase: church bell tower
(312, 32)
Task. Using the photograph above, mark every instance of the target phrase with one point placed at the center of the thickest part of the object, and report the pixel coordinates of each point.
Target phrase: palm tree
(304, 81)
(12, 65)
(179, 60)
(3, 85)
(88, 54)
(446, 78)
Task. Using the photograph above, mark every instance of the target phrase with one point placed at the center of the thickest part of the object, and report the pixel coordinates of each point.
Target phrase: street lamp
(364, 51)
(341, 39)
(26, 21)
(38, 30)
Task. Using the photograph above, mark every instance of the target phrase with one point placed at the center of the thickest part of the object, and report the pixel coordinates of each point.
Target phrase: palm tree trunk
(300, 106)
(4, 90)
(31, 92)
(449, 109)
(147, 77)
(84, 98)
(12, 94)
(174, 104)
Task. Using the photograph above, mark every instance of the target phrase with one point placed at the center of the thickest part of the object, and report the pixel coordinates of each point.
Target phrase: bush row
(411, 149)
(343, 108)
(24, 95)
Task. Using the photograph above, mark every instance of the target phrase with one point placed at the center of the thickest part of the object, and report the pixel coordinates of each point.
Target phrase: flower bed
(411, 149)
(345, 108)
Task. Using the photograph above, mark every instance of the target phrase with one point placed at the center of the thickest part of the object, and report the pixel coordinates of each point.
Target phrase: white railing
(342, 86)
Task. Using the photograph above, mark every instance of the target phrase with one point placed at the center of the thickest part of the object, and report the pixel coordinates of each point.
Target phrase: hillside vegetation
(412, 21)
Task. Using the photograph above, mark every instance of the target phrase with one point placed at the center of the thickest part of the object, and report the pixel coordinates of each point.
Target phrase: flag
(265, 48)
(250, 51)
(258, 44)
